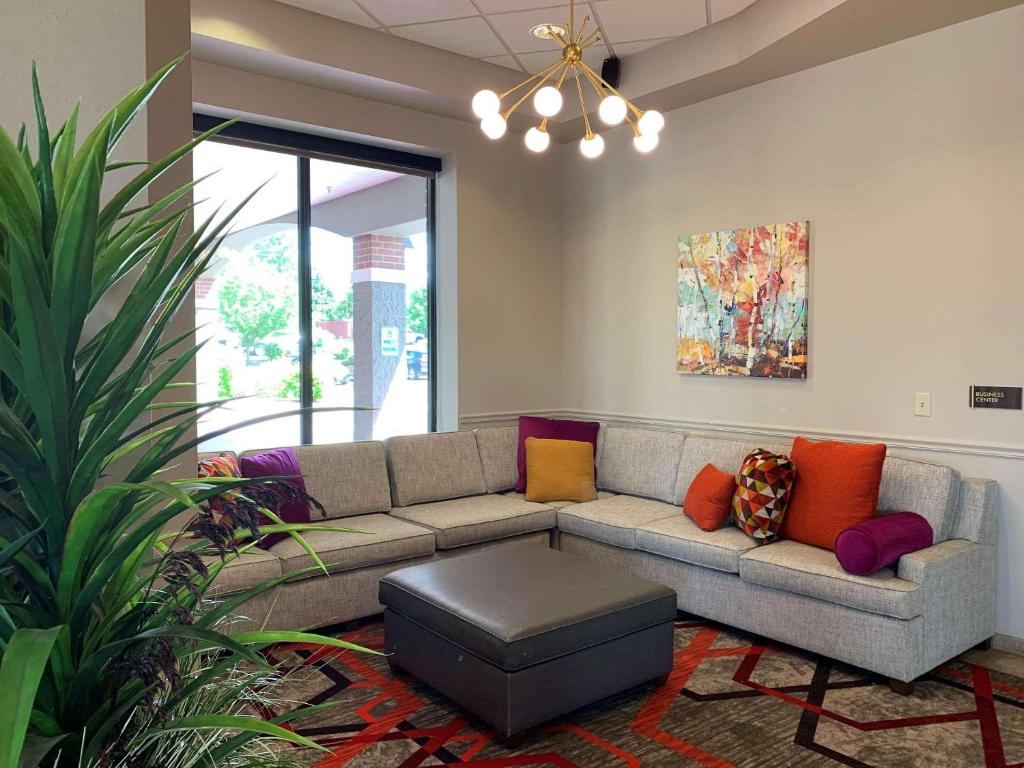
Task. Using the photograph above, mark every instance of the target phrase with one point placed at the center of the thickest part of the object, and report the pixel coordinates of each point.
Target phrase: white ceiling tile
(649, 19)
(346, 10)
(470, 37)
(635, 46)
(723, 9)
(515, 27)
(504, 61)
(397, 12)
(507, 6)
(534, 62)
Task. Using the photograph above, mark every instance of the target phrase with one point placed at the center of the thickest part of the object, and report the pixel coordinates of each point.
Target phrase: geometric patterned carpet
(731, 700)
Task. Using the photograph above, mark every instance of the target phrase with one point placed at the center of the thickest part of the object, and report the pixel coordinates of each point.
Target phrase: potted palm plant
(106, 642)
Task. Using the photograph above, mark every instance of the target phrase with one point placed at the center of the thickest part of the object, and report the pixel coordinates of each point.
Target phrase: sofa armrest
(946, 560)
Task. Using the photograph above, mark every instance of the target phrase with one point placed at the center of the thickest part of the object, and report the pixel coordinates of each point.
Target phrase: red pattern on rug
(731, 700)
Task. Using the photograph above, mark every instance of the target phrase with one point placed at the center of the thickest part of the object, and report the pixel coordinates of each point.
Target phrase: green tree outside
(253, 311)
(416, 312)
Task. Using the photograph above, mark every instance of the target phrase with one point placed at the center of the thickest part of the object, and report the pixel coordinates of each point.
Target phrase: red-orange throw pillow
(709, 498)
(836, 487)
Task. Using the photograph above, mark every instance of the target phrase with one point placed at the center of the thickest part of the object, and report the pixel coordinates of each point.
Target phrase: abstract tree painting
(743, 302)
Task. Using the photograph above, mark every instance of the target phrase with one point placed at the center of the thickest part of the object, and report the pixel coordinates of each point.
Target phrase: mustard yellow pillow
(559, 470)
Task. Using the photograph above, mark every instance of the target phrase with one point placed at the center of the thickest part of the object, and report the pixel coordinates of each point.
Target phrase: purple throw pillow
(552, 429)
(878, 543)
(281, 462)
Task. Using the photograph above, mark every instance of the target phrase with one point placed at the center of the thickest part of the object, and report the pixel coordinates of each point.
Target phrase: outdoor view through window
(368, 310)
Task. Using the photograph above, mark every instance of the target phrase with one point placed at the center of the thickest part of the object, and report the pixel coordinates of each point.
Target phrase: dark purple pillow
(552, 429)
(281, 462)
(878, 543)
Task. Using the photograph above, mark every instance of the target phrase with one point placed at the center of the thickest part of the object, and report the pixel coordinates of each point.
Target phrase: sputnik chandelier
(547, 99)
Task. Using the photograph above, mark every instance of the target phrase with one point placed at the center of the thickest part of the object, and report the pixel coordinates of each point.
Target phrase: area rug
(731, 700)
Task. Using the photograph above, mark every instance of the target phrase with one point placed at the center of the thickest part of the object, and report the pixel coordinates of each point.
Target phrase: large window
(319, 305)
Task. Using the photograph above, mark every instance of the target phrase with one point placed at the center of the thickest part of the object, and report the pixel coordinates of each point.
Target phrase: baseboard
(781, 432)
(1008, 643)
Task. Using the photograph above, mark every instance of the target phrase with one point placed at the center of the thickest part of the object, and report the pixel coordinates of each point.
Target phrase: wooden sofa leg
(901, 687)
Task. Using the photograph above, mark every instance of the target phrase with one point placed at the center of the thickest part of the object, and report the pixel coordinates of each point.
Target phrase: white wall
(908, 162)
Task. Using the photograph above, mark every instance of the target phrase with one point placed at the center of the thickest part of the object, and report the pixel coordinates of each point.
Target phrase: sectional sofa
(419, 498)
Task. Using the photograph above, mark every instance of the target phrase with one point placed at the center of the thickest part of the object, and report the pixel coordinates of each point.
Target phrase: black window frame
(308, 146)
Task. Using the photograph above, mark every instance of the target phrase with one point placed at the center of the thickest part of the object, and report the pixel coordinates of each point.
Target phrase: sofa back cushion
(498, 455)
(641, 462)
(931, 490)
(443, 465)
(727, 455)
(347, 478)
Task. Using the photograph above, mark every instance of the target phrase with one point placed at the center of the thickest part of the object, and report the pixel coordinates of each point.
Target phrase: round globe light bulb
(651, 121)
(592, 147)
(612, 109)
(537, 140)
(645, 142)
(547, 101)
(493, 126)
(486, 103)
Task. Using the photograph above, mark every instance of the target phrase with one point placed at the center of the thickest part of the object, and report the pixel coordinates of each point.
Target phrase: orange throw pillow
(709, 498)
(559, 470)
(836, 487)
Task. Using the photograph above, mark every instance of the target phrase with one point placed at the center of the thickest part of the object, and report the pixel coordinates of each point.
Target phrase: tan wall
(93, 52)
(908, 162)
(499, 236)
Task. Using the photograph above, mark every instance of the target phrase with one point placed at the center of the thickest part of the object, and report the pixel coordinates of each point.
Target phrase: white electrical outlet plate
(922, 403)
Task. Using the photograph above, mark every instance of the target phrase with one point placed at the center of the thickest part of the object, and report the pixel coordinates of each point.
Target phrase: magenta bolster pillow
(878, 543)
(281, 462)
(552, 429)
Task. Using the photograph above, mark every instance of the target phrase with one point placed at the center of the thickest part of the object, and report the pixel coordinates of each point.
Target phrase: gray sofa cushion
(499, 447)
(613, 520)
(931, 490)
(640, 462)
(445, 465)
(457, 522)
(679, 538)
(376, 539)
(727, 455)
(815, 572)
(559, 504)
(347, 478)
(246, 571)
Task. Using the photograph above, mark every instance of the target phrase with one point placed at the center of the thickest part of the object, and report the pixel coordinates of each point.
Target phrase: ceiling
(498, 31)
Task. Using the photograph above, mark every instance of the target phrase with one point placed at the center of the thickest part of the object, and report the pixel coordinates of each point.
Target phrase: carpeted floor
(732, 700)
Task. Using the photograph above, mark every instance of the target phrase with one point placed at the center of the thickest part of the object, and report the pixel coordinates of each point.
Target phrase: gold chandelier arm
(583, 28)
(562, 42)
(583, 102)
(572, 17)
(594, 37)
(547, 72)
(594, 83)
(636, 110)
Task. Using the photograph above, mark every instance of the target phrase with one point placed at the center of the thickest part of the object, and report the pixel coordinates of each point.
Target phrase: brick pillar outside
(378, 291)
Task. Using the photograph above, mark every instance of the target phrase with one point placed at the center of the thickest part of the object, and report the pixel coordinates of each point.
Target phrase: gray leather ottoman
(520, 635)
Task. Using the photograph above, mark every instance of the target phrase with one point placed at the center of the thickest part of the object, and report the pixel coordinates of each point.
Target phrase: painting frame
(742, 304)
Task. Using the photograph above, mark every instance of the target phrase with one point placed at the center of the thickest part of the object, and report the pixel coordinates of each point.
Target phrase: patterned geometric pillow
(763, 488)
(221, 465)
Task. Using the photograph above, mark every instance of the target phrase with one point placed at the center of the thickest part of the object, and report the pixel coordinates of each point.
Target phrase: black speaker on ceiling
(610, 71)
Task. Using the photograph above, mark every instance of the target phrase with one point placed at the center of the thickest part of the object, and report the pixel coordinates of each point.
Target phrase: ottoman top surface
(519, 605)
